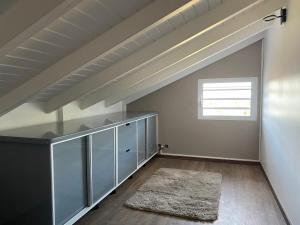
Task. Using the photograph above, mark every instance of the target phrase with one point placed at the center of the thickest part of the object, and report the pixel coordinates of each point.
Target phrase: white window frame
(254, 94)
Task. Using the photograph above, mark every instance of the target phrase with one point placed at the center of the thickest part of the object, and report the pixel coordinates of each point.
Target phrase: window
(227, 99)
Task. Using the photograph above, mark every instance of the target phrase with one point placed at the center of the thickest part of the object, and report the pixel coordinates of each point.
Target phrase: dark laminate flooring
(246, 197)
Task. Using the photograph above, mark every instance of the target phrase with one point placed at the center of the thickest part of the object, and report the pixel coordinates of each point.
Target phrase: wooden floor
(246, 198)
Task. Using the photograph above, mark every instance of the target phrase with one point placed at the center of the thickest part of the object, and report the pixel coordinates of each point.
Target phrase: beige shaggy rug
(186, 193)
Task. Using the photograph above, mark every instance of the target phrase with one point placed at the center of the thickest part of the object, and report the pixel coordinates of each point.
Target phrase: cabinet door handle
(127, 124)
(127, 150)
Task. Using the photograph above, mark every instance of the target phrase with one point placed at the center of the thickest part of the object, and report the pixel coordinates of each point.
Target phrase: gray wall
(280, 149)
(177, 107)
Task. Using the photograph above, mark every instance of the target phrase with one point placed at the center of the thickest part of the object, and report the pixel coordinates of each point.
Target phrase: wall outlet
(161, 147)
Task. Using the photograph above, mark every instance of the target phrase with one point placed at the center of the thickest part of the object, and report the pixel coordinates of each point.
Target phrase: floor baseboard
(211, 159)
(288, 222)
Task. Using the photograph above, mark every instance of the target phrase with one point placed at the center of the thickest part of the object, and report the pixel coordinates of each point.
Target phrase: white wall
(280, 145)
(25, 115)
(30, 114)
(72, 110)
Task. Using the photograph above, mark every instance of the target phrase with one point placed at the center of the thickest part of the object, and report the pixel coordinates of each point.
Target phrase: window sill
(216, 118)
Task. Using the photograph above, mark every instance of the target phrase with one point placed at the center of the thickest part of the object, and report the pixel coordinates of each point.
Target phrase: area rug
(186, 193)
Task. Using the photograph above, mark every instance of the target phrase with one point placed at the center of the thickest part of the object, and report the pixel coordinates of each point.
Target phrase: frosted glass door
(127, 150)
(103, 163)
(70, 178)
(151, 136)
(141, 126)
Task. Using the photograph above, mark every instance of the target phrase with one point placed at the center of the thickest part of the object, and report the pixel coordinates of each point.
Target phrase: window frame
(254, 98)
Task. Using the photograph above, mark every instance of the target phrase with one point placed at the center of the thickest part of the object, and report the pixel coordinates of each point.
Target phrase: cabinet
(54, 177)
(70, 179)
(151, 136)
(103, 163)
(127, 150)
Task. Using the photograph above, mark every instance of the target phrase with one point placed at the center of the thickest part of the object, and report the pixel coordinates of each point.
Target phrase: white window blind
(229, 98)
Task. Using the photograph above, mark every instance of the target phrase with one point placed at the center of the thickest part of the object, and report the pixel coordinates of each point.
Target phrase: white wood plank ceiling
(113, 56)
(87, 20)
(6, 4)
(80, 25)
(50, 61)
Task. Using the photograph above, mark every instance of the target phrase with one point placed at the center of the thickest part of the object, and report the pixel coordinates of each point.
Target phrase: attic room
(149, 112)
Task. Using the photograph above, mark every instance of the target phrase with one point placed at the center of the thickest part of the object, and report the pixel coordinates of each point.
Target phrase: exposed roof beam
(155, 83)
(151, 52)
(181, 58)
(144, 19)
(17, 29)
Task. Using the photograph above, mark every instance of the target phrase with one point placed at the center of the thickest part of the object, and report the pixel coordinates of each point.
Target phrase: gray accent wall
(179, 126)
(280, 146)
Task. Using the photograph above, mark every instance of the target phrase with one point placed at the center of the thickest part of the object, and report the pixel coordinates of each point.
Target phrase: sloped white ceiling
(80, 25)
(55, 51)
(113, 56)
(6, 4)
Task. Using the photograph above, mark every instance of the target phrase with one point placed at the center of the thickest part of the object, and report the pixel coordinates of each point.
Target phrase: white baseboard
(209, 157)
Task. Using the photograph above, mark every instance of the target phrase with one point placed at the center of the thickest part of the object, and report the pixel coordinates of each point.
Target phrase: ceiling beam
(22, 20)
(151, 15)
(154, 83)
(144, 56)
(181, 57)
(208, 61)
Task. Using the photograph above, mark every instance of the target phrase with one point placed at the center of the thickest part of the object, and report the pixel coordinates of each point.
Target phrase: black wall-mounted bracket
(282, 16)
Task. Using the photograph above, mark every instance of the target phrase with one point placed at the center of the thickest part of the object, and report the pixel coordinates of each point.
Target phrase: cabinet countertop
(55, 132)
